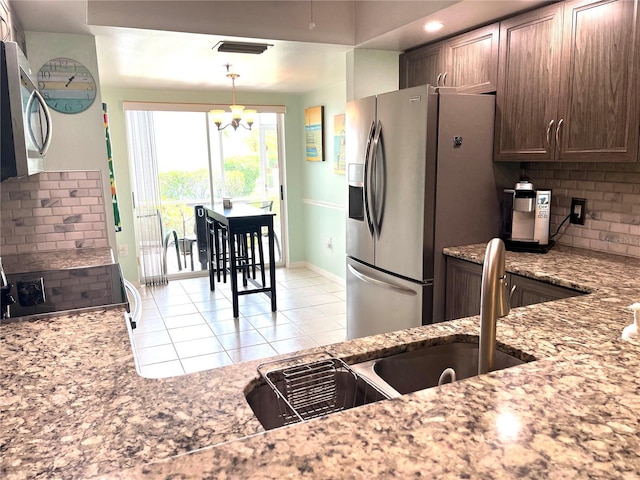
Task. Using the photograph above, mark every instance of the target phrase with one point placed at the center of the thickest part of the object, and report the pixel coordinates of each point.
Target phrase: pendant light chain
(312, 24)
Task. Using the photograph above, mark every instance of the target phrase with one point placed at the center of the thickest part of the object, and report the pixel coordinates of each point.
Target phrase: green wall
(324, 192)
(293, 159)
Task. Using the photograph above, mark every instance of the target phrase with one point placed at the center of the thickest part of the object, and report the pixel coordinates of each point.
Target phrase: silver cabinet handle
(548, 131)
(560, 122)
(444, 79)
(380, 283)
(438, 80)
(511, 292)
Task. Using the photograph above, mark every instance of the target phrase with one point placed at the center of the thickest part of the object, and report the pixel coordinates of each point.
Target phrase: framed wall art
(314, 132)
(339, 159)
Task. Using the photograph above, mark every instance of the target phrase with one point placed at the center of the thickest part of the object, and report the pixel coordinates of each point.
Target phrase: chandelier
(238, 112)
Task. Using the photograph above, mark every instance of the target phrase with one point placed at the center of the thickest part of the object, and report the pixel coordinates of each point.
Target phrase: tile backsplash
(52, 211)
(612, 191)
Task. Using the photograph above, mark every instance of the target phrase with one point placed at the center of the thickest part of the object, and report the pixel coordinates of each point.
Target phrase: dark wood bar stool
(244, 225)
(246, 258)
(244, 243)
(218, 253)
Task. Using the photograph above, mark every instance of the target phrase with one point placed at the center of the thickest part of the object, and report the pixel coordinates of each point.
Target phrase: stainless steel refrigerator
(420, 178)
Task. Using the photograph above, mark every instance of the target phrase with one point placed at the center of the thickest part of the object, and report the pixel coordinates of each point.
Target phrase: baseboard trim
(331, 276)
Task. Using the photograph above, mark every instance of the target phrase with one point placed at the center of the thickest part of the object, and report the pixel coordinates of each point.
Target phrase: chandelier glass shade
(240, 116)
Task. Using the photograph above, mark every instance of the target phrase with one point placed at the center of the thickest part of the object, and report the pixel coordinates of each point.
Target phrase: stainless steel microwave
(25, 127)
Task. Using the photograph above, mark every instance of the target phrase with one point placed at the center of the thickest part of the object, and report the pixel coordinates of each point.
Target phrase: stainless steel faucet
(494, 302)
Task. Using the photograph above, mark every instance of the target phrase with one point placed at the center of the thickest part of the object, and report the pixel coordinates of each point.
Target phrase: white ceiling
(168, 44)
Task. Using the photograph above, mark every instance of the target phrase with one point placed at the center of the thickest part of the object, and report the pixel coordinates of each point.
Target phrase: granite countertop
(72, 405)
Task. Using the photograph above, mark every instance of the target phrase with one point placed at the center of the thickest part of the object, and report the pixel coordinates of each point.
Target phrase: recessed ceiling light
(433, 26)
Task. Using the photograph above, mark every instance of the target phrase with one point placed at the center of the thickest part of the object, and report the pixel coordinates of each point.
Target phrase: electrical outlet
(578, 211)
(123, 250)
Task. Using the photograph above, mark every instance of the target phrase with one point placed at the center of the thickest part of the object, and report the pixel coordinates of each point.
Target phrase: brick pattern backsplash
(52, 211)
(67, 289)
(612, 191)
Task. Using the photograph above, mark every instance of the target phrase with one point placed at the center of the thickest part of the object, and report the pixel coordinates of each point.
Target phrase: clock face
(66, 85)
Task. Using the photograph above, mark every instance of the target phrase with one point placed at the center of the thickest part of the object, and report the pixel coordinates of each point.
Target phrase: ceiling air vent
(241, 47)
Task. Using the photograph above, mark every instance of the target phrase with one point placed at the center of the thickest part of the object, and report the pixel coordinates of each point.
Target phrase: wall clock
(66, 85)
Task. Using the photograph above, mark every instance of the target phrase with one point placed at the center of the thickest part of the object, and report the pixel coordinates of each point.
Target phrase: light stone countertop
(72, 405)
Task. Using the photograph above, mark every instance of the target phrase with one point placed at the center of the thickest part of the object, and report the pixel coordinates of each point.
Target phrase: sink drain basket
(312, 388)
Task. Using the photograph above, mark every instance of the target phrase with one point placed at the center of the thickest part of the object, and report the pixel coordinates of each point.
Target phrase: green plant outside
(181, 190)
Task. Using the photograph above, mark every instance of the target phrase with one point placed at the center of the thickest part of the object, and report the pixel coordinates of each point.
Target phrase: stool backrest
(266, 205)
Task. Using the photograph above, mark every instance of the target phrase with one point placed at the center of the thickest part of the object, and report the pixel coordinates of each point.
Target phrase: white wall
(370, 72)
(78, 140)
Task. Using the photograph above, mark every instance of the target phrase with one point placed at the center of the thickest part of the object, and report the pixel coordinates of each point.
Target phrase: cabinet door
(530, 292)
(528, 85)
(471, 61)
(422, 66)
(599, 94)
(463, 285)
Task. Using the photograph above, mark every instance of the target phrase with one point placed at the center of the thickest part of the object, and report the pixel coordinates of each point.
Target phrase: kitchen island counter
(74, 407)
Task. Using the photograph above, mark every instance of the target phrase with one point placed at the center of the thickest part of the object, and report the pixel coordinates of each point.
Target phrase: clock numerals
(66, 85)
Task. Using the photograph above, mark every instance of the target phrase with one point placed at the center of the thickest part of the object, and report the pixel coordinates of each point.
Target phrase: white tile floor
(186, 328)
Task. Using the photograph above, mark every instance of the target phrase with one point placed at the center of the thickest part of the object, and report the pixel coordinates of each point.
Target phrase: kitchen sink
(346, 390)
(423, 368)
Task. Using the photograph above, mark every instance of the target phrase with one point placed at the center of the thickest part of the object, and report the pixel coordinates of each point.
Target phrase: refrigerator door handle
(380, 283)
(379, 165)
(367, 173)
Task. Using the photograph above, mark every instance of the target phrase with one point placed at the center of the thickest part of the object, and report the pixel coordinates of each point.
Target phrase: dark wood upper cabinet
(568, 83)
(422, 66)
(599, 106)
(468, 61)
(5, 22)
(528, 85)
(10, 28)
(471, 60)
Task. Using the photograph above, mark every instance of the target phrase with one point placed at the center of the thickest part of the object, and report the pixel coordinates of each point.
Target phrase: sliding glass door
(198, 165)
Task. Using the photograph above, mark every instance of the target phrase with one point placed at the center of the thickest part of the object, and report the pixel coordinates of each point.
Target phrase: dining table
(238, 219)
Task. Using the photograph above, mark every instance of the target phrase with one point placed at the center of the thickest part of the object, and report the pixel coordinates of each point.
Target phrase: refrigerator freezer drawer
(379, 303)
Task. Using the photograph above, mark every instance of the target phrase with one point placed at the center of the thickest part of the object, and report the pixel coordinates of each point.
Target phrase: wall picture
(339, 159)
(314, 132)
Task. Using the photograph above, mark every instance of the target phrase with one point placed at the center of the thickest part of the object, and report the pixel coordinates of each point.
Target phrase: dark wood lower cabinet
(464, 285)
(464, 282)
(529, 292)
